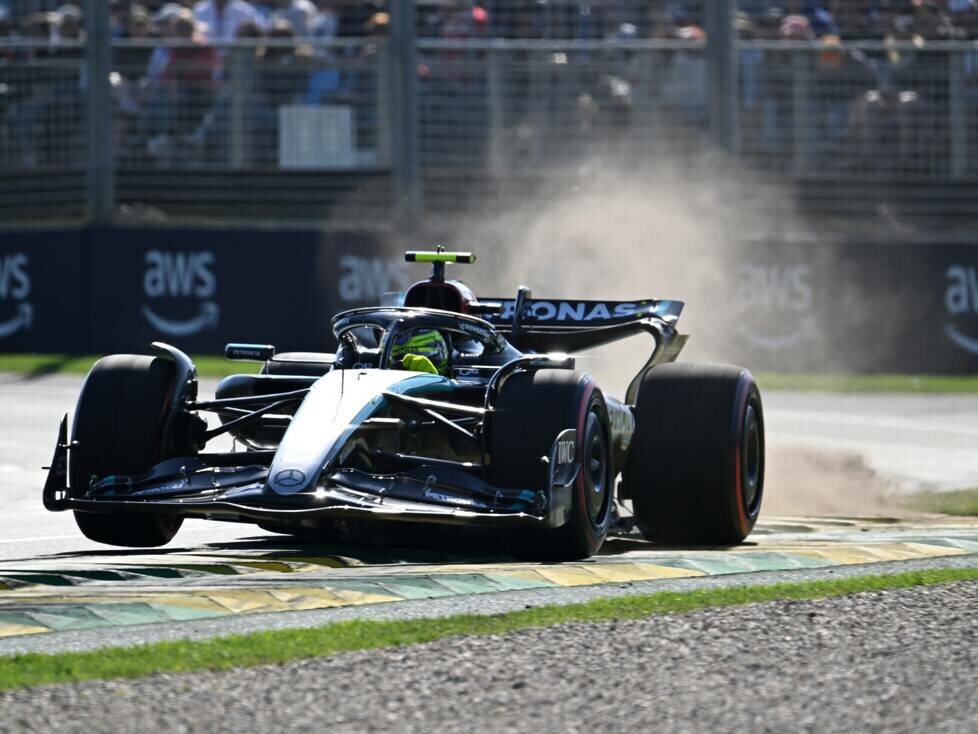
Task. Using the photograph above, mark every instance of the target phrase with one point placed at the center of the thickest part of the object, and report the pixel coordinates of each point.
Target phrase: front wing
(204, 486)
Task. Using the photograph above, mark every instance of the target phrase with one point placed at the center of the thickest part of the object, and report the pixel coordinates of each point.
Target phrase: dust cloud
(806, 481)
(625, 232)
(615, 233)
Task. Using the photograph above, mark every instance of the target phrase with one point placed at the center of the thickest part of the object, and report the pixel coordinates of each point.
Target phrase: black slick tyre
(118, 427)
(532, 410)
(695, 470)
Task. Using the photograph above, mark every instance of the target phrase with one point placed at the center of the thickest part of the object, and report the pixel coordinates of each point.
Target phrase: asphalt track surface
(898, 661)
(916, 441)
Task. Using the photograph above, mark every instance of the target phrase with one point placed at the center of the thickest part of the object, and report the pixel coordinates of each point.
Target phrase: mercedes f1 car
(504, 435)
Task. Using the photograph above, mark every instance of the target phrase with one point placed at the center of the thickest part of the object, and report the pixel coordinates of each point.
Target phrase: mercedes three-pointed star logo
(290, 478)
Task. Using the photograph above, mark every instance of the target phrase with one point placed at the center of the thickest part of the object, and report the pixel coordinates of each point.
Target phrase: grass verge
(869, 383)
(36, 365)
(216, 366)
(283, 646)
(961, 502)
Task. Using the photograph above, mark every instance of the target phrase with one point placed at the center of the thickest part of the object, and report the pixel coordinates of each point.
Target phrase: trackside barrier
(835, 307)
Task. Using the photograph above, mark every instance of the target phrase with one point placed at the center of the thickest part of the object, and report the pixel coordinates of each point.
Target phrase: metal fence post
(722, 76)
(239, 80)
(956, 92)
(99, 184)
(801, 124)
(495, 99)
(405, 158)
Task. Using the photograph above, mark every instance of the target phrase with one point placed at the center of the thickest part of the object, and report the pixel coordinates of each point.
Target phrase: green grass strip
(283, 646)
(37, 365)
(868, 383)
(961, 502)
(216, 366)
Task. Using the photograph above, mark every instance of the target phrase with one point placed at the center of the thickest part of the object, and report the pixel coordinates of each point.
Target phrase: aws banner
(812, 307)
(199, 288)
(44, 294)
(856, 307)
(938, 307)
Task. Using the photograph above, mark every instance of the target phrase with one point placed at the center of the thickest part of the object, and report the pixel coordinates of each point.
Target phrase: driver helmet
(427, 343)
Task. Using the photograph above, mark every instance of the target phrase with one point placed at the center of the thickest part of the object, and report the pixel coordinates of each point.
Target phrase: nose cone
(336, 406)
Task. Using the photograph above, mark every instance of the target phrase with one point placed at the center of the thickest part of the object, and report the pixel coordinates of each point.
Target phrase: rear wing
(543, 325)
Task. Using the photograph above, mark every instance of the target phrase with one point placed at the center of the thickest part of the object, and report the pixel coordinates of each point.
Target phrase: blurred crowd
(552, 19)
(180, 95)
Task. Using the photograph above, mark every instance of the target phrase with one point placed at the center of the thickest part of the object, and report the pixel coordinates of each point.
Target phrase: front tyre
(695, 471)
(118, 428)
(532, 410)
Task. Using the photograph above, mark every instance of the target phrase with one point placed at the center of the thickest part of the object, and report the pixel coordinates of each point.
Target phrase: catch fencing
(387, 129)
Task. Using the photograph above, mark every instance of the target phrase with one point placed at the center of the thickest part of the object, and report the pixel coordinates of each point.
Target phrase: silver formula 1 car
(503, 434)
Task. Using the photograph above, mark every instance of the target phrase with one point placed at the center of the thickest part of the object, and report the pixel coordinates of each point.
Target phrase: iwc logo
(175, 277)
(961, 303)
(15, 288)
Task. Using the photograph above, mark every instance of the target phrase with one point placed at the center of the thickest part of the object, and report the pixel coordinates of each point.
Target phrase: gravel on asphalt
(895, 661)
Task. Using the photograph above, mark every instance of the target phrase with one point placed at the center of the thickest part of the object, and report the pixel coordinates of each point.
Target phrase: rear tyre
(695, 471)
(119, 429)
(532, 410)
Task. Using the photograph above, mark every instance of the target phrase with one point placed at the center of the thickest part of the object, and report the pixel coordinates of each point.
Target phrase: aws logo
(180, 276)
(961, 300)
(367, 279)
(15, 286)
(779, 300)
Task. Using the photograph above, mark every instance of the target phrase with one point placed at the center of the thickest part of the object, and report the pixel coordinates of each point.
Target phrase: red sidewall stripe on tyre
(741, 400)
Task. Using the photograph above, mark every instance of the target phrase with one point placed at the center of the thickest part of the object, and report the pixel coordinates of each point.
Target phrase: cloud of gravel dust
(624, 232)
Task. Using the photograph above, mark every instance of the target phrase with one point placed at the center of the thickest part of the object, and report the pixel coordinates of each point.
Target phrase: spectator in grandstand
(193, 68)
(965, 19)
(46, 92)
(822, 20)
(855, 19)
(353, 16)
(162, 27)
(684, 88)
(454, 83)
(301, 14)
(221, 19)
(922, 83)
(774, 111)
(38, 27)
(181, 97)
(131, 61)
(281, 77)
(249, 32)
(118, 18)
(136, 22)
(327, 25)
(796, 27)
(338, 76)
(7, 30)
(68, 23)
(282, 72)
(751, 70)
(463, 20)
